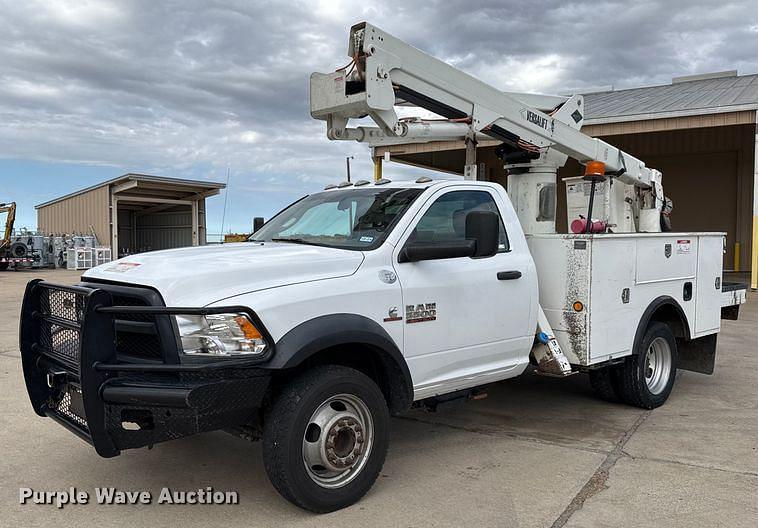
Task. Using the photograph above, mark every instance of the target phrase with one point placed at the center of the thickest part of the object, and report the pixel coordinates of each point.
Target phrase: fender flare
(659, 302)
(321, 333)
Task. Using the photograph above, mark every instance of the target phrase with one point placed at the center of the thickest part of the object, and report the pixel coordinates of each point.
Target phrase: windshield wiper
(293, 240)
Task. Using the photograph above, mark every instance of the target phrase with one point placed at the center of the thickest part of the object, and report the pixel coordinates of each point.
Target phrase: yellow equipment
(9, 208)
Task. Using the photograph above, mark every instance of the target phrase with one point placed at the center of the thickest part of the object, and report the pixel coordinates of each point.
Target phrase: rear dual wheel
(647, 377)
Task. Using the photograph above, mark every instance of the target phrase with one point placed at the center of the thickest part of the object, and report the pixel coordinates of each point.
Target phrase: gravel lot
(537, 452)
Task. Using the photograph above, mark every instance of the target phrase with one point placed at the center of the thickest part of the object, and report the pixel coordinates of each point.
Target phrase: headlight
(232, 334)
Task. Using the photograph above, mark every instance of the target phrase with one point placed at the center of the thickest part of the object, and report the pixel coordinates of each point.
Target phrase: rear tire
(647, 377)
(325, 438)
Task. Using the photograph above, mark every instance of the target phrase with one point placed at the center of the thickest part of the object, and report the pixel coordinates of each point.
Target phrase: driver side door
(463, 325)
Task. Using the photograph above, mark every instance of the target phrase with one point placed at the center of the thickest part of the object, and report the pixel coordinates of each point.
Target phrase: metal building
(699, 131)
(133, 213)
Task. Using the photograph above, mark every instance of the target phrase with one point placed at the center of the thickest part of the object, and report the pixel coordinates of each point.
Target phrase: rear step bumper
(733, 294)
(73, 375)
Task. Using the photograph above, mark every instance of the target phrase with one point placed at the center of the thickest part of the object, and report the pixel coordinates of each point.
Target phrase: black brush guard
(74, 375)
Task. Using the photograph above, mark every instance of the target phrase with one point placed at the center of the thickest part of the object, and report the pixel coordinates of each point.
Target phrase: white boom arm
(388, 69)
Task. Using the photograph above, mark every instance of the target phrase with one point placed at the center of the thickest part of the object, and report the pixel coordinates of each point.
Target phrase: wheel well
(371, 361)
(671, 315)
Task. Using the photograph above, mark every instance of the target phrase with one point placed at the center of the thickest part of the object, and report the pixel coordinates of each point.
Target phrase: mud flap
(697, 355)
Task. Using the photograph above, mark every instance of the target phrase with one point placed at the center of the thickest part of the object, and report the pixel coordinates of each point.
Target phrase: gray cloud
(194, 86)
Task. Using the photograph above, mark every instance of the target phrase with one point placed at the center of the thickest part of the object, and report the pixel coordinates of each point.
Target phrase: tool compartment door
(615, 305)
(710, 259)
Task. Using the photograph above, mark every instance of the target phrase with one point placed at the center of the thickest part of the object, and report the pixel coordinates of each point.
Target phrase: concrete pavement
(537, 452)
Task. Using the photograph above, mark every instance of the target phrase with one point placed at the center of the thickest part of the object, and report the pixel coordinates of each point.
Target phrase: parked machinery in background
(13, 250)
(77, 252)
(24, 248)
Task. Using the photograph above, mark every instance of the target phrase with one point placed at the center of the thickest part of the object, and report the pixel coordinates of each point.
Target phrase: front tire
(647, 377)
(325, 438)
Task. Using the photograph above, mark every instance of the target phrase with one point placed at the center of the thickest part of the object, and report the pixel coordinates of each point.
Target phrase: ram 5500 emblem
(420, 313)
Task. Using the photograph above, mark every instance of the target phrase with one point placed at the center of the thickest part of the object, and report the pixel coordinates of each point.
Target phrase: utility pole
(347, 161)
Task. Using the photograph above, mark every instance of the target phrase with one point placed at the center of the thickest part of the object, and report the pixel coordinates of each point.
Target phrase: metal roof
(196, 186)
(685, 96)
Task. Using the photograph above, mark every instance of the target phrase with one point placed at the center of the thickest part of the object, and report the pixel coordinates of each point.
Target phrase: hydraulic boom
(538, 132)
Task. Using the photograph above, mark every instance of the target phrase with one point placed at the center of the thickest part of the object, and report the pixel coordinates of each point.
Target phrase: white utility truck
(367, 298)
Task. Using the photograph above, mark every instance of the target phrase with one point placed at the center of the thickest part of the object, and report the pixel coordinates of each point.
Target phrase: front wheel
(647, 377)
(325, 438)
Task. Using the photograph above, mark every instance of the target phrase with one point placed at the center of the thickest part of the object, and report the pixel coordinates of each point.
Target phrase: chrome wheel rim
(337, 441)
(657, 365)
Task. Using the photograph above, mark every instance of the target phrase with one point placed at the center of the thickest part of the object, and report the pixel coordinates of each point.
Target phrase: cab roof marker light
(382, 181)
(330, 186)
(361, 183)
(424, 179)
(344, 184)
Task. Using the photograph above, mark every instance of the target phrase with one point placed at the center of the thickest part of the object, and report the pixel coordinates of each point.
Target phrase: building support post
(195, 224)
(114, 227)
(469, 169)
(754, 260)
(377, 168)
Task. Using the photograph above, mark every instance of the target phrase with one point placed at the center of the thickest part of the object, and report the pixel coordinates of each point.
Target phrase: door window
(445, 220)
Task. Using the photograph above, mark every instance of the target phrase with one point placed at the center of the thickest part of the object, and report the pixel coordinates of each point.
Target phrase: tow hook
(56, 378)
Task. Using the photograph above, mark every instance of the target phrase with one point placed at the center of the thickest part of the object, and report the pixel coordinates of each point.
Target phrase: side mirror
(482, 239)
(416, 251)
(258, 222)
(484, 228)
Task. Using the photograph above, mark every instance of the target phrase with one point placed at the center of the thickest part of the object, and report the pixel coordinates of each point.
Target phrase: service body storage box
(594, 289)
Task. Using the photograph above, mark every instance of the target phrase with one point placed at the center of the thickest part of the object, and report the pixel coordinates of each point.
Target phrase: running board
(551, 360)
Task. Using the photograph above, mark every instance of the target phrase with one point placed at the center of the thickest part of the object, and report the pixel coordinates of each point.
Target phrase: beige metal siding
(77, 213)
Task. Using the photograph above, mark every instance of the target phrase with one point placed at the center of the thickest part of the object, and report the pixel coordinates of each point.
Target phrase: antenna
(226, 198)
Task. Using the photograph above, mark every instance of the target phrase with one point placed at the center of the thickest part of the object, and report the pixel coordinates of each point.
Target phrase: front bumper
(78, 354)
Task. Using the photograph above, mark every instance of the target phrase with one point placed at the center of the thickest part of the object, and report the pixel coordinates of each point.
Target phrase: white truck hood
(198, 276)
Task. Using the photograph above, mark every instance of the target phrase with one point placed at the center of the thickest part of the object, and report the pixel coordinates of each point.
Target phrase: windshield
(350, 219)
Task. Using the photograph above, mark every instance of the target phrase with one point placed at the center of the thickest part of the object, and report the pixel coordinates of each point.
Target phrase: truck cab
(457, 320)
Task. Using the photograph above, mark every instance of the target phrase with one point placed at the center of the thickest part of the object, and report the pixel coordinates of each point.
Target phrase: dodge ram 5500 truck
(350, 305)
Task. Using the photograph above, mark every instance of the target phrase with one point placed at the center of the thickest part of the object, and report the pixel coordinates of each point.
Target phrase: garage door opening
(141, 228)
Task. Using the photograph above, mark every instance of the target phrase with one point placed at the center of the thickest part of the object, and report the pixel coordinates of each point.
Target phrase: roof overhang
(145, 185)
(671, 114)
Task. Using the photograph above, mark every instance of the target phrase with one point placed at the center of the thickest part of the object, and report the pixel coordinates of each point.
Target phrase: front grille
(138, 345)
(62, 313)
(144, 344)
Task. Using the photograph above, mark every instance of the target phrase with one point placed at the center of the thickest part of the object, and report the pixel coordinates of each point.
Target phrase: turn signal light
(250, 331)
(578, 306)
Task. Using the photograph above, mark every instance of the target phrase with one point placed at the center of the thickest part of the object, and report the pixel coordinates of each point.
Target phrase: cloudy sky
(91, 89)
